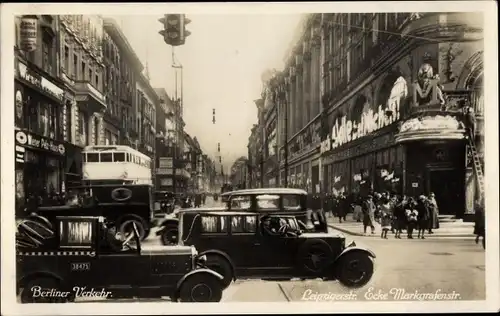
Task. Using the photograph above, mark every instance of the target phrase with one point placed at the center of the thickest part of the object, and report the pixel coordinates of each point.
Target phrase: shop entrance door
(448, 188)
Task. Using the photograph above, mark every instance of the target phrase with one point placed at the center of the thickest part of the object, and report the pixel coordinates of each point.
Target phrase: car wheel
(354, 269)
(201, 288)
(126, 227)
(314, 255)
(31, 292)
(222, 266)
(170, 235)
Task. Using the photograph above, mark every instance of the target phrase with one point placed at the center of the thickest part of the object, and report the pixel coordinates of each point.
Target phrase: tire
(170, 235)
(126, 223)
(46, 284)
(314, 255)
(354, 269)
(222, 266)
(201, 288)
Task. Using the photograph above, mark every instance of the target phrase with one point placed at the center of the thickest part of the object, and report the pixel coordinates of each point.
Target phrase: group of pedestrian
(192, 200)
(397, 213)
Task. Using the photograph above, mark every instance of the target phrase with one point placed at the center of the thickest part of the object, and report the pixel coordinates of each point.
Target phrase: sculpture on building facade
(427, 88)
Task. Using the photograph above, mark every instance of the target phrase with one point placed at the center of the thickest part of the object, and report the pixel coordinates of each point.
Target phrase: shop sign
(28, 29)
(39, 142)
(307, 140)
(40, 82)
(345, 131)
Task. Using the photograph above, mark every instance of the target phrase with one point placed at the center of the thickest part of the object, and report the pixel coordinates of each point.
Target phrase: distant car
(278, 201)
(251, 245)
(83, 253)
(121, 205)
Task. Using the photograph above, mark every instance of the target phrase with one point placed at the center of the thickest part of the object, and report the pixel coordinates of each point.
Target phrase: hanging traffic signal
(213, 116)
(218, 147)
(184, 33)
(172, 29)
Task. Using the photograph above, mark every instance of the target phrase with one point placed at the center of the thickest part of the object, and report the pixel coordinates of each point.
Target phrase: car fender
(356, 249)
(37, 274)
(193, 272)
(166, 222)
(222, 254)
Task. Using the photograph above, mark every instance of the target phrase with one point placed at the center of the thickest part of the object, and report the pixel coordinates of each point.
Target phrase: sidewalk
(446, 230)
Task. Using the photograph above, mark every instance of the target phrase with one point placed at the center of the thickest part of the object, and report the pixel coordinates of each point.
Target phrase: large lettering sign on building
(27, 139)
(345, 131)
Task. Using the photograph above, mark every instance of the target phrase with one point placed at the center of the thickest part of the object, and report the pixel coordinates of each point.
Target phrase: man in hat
(369, 209)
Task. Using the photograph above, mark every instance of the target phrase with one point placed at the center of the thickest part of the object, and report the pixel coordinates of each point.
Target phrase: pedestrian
(434, 213)
(423, 216)
(357, 209)
(385, 223)
(411, 217)
(479, 222)
(369, 209)
(400, 217)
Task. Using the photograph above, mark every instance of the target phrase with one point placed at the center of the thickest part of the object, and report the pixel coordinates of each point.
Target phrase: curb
(347, 231)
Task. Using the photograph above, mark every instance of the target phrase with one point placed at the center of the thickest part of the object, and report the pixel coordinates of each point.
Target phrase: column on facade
(315, 68)
(299, 92)
(322, 59)
(292, 103)
(306, 84)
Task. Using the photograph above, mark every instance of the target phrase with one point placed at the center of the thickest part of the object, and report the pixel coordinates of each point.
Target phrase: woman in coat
(400, 217)
(434, 213)
(479, 226)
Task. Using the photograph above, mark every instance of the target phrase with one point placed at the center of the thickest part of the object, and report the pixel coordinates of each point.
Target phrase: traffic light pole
(179, 108)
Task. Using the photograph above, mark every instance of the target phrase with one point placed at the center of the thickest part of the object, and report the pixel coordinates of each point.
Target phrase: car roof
(266, 191)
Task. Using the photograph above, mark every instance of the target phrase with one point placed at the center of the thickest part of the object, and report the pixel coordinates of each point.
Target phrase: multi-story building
(123, 72)
(170, 151)
(59, 99)
(270, 167)
(147, 103)
(239, 173)
(351, 96)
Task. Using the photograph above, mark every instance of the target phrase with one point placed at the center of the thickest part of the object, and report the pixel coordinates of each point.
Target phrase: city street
(425, 266)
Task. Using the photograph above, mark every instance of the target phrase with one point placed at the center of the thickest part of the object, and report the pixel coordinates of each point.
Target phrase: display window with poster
(340, 177)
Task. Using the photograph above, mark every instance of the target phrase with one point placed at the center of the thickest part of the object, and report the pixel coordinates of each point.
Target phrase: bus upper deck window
(119, 157)
(92, 157)
(106, 157)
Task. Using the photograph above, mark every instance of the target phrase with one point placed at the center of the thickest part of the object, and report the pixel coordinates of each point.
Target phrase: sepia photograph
(325, 154)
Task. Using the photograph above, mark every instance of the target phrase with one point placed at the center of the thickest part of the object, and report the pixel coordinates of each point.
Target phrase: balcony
(93, 98)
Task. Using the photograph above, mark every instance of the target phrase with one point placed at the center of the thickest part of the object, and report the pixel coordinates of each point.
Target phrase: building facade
(239, 173)
(170, 151)
(123, 72)
(147, 103)
(384, 109)
(59, 99)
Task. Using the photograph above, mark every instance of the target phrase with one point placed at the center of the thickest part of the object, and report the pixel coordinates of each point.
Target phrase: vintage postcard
(283, 158)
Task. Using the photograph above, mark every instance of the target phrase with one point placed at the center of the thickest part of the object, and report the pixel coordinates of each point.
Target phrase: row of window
(239, 224)
(116, 157)
(81, 69)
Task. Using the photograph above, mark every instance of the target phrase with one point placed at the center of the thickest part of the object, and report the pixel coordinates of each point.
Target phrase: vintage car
(121, 205)
(279, 201)
(245, 245)
(82, 255)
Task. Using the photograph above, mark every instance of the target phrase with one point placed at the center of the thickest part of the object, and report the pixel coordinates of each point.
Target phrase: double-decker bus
(115, 164)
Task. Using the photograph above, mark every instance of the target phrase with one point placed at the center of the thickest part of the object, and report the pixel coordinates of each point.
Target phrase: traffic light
(218, 147)
(213, 116)
(174, 29)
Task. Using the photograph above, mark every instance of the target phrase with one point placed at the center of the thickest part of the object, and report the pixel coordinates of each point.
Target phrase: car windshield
(267, 201)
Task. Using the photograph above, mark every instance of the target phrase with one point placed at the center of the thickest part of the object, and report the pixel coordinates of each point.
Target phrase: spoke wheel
(127, 228)
(170, 236)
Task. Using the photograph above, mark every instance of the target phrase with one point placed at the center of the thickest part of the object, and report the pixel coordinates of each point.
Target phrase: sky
(223, 60)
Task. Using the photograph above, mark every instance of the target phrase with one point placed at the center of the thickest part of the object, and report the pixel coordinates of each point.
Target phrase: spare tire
(314, 255)
(34, 233)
